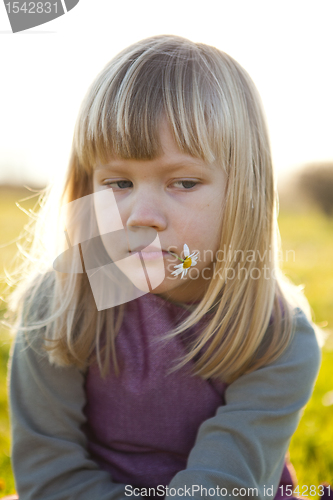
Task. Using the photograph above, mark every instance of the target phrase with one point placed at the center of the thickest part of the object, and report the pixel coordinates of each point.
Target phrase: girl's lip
(150, 255)
(147, 248)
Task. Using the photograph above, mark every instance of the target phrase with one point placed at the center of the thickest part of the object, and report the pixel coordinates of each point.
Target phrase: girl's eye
(186, 184)
(120, 184)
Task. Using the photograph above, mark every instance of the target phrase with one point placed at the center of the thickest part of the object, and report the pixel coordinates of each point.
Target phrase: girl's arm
(49, 456)
(244, 444)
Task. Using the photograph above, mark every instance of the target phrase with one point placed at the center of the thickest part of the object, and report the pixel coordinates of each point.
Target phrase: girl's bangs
(124, 107)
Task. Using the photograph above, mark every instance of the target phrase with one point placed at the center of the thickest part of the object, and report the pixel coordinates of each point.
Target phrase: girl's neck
(178, 303)
(189, 305)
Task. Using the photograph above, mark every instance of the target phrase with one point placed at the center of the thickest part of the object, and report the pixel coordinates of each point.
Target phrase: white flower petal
(178, 266)
(185, 271)
(175, 273)
(186, 250)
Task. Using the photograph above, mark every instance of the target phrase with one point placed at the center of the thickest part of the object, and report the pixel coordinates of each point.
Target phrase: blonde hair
(215, 113)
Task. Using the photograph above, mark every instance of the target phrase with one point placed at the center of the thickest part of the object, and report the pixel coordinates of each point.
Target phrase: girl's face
(178, 196)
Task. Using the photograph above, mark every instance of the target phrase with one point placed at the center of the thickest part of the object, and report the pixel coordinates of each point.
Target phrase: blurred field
(303, 230)
(12, 221)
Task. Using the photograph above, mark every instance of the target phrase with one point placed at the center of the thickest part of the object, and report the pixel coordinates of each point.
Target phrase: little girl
(160, 351)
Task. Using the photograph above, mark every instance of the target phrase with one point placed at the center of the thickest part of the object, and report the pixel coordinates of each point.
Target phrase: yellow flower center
(187, 262)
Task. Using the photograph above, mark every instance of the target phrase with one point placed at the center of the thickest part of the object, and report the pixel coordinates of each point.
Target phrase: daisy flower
(189, 261)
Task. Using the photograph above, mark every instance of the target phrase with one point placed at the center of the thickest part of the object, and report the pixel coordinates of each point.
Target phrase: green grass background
(305, 231)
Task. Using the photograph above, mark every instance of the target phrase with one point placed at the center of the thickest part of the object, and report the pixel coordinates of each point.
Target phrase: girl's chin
(156, 278)
(140, 281)
(153, 276)
(165, 285)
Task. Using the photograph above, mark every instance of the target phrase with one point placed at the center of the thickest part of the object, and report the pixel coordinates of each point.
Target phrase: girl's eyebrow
(170, 166)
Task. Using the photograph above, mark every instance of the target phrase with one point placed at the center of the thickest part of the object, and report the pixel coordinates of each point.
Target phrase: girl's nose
(147, 210)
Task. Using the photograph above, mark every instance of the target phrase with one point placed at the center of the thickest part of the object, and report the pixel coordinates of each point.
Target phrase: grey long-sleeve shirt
(243, 444)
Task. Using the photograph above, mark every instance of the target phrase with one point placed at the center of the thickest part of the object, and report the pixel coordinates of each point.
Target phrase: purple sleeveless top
(142, 425)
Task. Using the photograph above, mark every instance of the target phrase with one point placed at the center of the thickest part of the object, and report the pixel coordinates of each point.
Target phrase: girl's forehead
(169, 155)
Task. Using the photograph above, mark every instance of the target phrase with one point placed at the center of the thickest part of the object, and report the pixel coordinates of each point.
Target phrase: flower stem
(175, 256)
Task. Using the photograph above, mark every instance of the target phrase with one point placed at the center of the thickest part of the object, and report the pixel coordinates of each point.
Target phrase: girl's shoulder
(306, 332)
(33, 306)
(287, 382)
(303, 354)
(300, 361)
